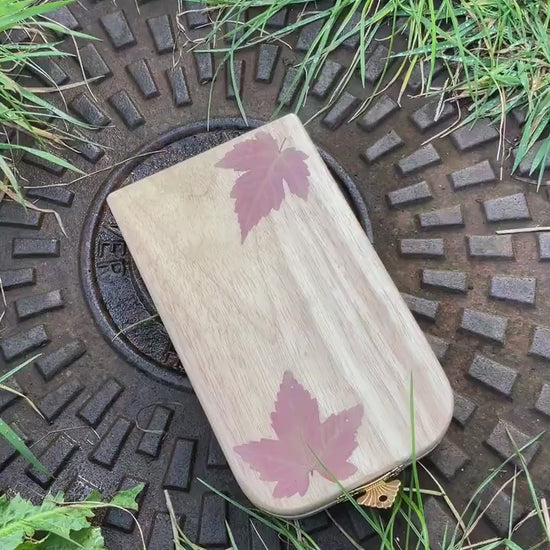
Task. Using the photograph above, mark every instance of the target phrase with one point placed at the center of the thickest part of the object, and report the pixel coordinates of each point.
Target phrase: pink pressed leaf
(276, 462)
(254, 202)
(304, 444)
(294, 401)
(265, 166)
(295, 171)
(338, 440)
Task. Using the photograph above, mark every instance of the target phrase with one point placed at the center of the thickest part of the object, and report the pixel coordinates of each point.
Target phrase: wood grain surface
(304, 292)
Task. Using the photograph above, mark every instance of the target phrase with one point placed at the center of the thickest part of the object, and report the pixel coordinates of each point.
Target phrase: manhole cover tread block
(384, 146)
(278, 20)
(448, 459)
(178, 83)
(204, 64)
(17, 278)
(442, 218)
(54, 402)
(421, 307)
(93, 63)
(439, 522)
(24, 342)
(315, 523)
(422, 248)
(439, 346)
(544, 246)
(59, 196)
(43, 164)
(353, 41)
(308, 35)
(233, 29)
(212, 531)
(121, 519)
(141, 74)
(110, 445)
(161, 31)
(7, 398)
(118, 30)
(474, 135)
(543, 402)
(195, 15)
(510, 208)
(501, 505)
(38, 304)
(78, 489)
(151, 440)
(266, 62)
(90, 151)
(88, 110)
(362, 529)
(422, 158)
(378, 61)
(161, 530)
(421, 72)
(97, 405)
(64, 17)
(54, 458)
(491, 247)
(61, 358)
(179, 473)
(412, 194)
(289, 87)
(484, 325)
(540, 344)
(382, 109)
(12, 215)
(215, 458)
(431, 114)
(494, 375)
(7, 453)
(49, 72)
(341, 111)
(464, 408)
(445, 280)
(123, 104)
(506, 438)
(479, 173)
(514, 289)
(329, 75)
(238, 75)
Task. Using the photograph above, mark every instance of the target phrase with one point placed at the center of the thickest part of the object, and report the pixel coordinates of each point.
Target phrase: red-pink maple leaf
(265, 166)
(304, 444)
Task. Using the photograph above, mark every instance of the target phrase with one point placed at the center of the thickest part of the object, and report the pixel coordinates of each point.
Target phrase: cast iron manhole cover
(482, 298)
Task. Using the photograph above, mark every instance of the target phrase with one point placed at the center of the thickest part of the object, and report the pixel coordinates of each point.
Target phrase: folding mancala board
(296, 341)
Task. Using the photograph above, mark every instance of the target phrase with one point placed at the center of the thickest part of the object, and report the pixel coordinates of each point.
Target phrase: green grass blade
(19, 445)
(43, 155)
(16, 369)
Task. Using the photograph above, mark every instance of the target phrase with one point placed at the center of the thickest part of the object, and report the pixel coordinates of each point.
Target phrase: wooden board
(297, 342)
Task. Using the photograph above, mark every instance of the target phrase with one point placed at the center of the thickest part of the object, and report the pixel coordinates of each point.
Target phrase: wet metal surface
(484, 300)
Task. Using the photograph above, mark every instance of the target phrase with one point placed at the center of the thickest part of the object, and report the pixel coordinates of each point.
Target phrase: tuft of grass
(29, 123)
(7, 432)
(496, 54)
(405, 526)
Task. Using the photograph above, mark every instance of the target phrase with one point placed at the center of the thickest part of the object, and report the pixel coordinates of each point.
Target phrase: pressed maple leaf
(304, 444)
(265, 166)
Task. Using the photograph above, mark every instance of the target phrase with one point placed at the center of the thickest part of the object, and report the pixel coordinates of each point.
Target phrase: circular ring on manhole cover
(112, 284)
